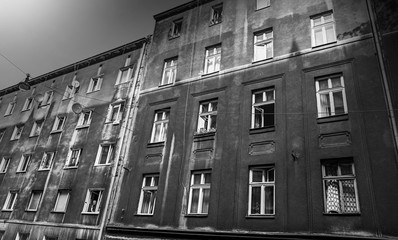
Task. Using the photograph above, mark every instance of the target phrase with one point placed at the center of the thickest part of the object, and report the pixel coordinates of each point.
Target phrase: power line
(13, 64)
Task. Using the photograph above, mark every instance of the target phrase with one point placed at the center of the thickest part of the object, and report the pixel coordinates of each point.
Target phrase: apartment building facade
(60, 143)
(260, 119)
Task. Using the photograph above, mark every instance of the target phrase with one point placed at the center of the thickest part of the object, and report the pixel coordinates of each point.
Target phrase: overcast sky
(43, 35)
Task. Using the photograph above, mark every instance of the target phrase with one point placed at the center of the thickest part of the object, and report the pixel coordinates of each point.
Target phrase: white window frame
(213, 54)
(330, 91)
(339, 178)
(163, 122)
(169, 71)
(108, 157)
(56, 205)
(70, 92)
(71, 153)
(260, 4)
(28, 104)
(208, 116)
(152, 189)
(34, 208)
(322, 26)
(129, 72)
(11, 199)
(97, 87)
(36, 128)
(87, 202)
(15, 134)
(176, 29)
(82, 122)
(10, 108)
(22, 236)
(5, 161)
(201, 187)
(47, 98)
(266, 182)
(260, 45)
(266, 101)
(119, 107)
(24, 163)
(57, 127)
(47, 157)
(216, 14)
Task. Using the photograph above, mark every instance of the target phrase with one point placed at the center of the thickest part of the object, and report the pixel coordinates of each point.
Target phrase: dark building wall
(363, 135)
(72, 223)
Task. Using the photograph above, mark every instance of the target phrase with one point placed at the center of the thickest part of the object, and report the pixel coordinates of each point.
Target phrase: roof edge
(181, 8)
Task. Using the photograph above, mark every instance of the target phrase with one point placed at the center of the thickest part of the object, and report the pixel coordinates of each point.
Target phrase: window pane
(257, 175)
(258, 97)
(317, 21)
(269, 199)
(147, 202)
(346, 168)
(213, 121)
(268, 114)
(348, 196)
(336, 82)
(34, 202)
(260, 52)
(332, 196)
(271, 175)
(331, 169)
(197, 178)
(325, 105)
(318, 36)
(256, 200)
(195, 201)
(62, 201)
(269, 50)
(338, 102)
(104, 154)
(164, 132)
(207, 177)
(157, 132)
(206, 199)
(330, 36)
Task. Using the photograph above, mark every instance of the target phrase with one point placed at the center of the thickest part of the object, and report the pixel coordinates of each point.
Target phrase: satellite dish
(75, 84)
(38, 98)
(77, 108)
(24, 86)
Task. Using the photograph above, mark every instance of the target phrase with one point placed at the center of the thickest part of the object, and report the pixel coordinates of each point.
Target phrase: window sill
(20, 172)
(2, 172)
(342, 214)
(174, 37)
(258, 9)
(44, 169)
(32, 136)
(55, 131)
(260, 216)
(262, 60)
(43, 105)
(90, 213)
(6, 115)
(262, 130)
(102, 165)
(113, 123)
(324, 44)
(155, 144)
(335, 118)
(82, 126)
(214, 23)
(56, 212)
(14, 139)
(6, 210)
(196, 215)
(66, 168)
(93, 91)
(25, 110)
(166, 85)
(209, 74)
(30, 210)
(121, 83)
(204, 135)
(143, 215)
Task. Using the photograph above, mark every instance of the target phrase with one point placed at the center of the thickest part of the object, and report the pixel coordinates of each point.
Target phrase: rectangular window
(262, 191)
(213, 59)
(47, 98)
(330, 96)
(10, 108)
(169, 71)
(115, 112)
(148, 195)
(263, 45)
(199, 193)
(16, 134)
(28, 104)
(34, 201)
(22, 236)
(95, 84)
(46, 161)
(207, 121)
(71, 90)
(104, 154)
(5, 161)
(84, 119)
(175, 30)
(160, 123)
(24, 163)
(340, 188)
(49, 238)
(93, 201)
(73, 158)
(59, 123)
(216, 14)
(323, 30)
(36, 129)
(61, 203)
(263, 4)
(10, 200)
(263, 108)
(125, 74)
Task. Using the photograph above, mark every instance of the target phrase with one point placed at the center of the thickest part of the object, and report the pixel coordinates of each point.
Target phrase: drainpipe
(386, 87)
(121, 144)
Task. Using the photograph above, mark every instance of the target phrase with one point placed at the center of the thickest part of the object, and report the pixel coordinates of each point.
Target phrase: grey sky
(42, 35)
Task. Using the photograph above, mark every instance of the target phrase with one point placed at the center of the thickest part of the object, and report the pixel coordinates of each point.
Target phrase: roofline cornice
(180, 9)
